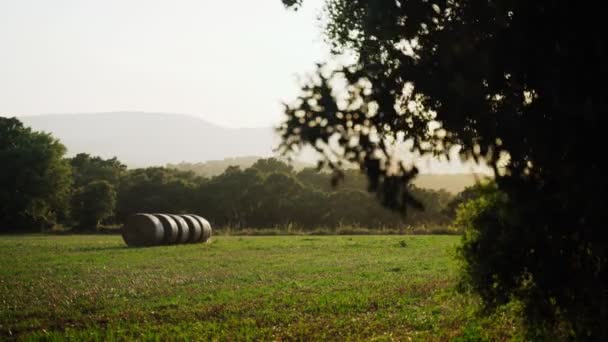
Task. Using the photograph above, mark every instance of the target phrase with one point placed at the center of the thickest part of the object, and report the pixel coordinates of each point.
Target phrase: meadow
(92, 287)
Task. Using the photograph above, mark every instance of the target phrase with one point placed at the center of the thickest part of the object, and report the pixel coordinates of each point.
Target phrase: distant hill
(215, 167)
(453, 183)
(147, 139)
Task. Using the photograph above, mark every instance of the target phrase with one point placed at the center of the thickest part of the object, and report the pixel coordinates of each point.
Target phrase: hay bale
(206, 228)
(201, 222)
(169, 227)
(195, 228)
(183, 232)
(143, 230)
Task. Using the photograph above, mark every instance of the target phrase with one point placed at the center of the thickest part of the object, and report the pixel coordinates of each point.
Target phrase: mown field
(239, 288)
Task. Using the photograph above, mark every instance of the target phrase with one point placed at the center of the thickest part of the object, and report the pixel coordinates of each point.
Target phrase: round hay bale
(195, 228)
(143, 230)
(183, 231)
(206, 228)
(201, 222)
(169, 227)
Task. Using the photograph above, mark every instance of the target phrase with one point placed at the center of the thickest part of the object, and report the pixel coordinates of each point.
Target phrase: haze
(229, 62)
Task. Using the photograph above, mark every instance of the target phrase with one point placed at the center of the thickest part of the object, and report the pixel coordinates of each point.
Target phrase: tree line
(42, 189)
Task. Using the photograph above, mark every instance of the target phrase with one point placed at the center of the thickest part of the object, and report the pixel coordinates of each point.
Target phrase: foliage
(469, 193)
(214, 167)
(271, 165)
(271, 194)
(266, 195)
(93, 203)
(155, 189)
(453, 183)
(86, 169)
(309, 288)
(35, 180)
(516, 83)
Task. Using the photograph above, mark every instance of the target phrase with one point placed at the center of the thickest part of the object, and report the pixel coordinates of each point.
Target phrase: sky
(232, 63)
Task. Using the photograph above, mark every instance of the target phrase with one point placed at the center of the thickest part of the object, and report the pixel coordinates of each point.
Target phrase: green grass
(238, 288)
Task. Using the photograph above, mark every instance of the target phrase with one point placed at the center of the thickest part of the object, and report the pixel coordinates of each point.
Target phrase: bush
(504, 263)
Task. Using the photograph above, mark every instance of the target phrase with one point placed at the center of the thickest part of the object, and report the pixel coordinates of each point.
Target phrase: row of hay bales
(165, 229)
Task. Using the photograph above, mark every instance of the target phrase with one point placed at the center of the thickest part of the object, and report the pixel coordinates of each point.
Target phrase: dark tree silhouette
(93, 203)
(35, 180)
(87, 168)
(518, 78)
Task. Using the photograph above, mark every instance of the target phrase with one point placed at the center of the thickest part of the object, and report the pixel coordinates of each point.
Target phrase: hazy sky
(230, 62)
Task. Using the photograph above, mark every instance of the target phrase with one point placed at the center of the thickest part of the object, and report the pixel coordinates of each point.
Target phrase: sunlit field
(92, 287)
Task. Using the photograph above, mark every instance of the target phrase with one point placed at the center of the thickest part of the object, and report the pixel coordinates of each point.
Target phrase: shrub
(504, 263)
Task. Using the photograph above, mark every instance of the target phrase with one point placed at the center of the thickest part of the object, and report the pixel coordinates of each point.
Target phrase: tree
(469, 193)
(272, 165)
(35, 180)
(516, 83)
(230, 198)
(93, 203)
(156, 189)
(276, 199)
(86, 169)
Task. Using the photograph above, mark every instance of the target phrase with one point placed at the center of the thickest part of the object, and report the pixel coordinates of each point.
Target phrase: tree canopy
(93, 203)
(35, 180)
(516, 83)
(87, 168)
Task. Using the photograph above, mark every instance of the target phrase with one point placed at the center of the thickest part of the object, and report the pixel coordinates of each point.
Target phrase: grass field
(238, 288)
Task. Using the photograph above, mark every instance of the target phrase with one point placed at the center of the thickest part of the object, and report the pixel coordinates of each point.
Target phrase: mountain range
(148, 139)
